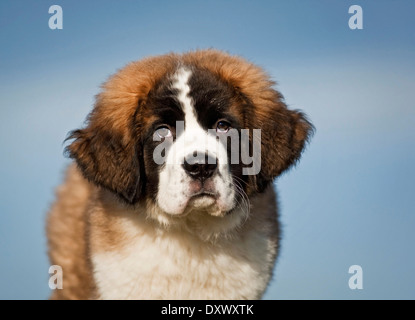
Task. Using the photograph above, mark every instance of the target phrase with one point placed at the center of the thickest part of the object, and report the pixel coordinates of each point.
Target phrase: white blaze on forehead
(181, 83)
(174, 190)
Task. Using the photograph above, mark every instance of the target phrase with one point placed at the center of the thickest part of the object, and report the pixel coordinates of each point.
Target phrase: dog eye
(164, 132)
(222, 126)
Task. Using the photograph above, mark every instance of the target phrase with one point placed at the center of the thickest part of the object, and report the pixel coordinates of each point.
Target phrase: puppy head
(171, 132)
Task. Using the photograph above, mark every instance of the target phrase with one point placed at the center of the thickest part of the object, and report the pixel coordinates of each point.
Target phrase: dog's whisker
(244, 202)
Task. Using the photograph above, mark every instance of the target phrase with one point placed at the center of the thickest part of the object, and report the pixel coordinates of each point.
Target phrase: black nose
(200, 169)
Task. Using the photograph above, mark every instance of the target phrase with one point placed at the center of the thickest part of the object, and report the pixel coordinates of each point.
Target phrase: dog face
(196, 171)
(160, 134)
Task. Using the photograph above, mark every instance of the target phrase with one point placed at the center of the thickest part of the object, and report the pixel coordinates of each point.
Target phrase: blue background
(349, 201)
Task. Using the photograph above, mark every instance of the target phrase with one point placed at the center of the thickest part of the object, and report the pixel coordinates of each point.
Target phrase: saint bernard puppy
(156, 205)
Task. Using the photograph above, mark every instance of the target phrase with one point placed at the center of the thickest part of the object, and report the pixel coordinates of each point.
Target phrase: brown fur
(67, 236)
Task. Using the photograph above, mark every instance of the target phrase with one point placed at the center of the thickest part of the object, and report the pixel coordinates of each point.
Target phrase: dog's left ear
(284, 134)
(107, 154)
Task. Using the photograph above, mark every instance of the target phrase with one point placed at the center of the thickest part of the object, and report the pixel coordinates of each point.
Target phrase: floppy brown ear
(109, 151)
(107, 156)
(284, 134)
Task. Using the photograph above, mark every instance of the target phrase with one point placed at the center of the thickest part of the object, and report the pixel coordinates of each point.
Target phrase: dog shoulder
(66, 230)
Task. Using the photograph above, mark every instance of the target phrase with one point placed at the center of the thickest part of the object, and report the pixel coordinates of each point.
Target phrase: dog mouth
(202, 199)
(204, 193)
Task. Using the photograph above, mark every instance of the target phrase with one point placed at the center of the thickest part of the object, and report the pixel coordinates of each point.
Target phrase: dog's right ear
(109, 151)
(108, 157)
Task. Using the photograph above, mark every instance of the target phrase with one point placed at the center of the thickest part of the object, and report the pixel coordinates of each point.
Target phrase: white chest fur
(170, 264)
